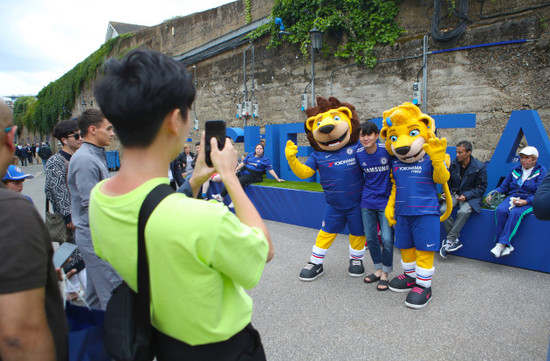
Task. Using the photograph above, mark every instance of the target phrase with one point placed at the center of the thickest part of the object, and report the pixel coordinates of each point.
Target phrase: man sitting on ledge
(468, 183)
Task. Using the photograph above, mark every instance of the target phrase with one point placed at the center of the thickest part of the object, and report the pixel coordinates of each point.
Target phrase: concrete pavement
(479, 310)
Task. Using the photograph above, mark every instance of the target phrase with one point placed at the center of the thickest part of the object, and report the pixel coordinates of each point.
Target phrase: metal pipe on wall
(253, 98)
(425, 74)
(312, 77)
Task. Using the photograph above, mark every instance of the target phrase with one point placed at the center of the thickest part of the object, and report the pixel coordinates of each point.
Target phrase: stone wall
(489, 81)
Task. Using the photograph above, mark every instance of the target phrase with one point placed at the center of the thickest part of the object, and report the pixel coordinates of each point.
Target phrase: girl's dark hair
(368, 127)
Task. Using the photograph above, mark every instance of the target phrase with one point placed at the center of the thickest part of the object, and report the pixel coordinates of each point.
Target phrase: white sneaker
(497, 250)
(507, 251)
(217, 197)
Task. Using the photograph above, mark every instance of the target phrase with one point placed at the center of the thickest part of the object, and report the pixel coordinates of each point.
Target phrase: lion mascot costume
(418, 165)
(332, 129)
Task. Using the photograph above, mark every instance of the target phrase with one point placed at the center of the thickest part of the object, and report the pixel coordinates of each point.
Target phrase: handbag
(56, 226)
(85, 337)
(127, 328)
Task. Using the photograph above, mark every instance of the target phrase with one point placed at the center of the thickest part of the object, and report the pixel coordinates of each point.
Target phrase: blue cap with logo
(15, 173)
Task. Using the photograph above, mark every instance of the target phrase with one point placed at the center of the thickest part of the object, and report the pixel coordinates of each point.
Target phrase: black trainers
(418, 297)
(454, 245)
(443, 249)
(402, 283)
(311, 271)
(356, 268)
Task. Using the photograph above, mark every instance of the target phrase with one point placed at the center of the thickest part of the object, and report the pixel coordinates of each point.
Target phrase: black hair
(466, 145)
(64, 128)
(368, 127)
(87, 118)
(138, 92)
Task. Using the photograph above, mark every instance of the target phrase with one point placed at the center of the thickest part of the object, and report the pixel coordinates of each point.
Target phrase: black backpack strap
(149, 204)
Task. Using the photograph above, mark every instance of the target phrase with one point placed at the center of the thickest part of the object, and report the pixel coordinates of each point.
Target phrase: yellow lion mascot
(418, 165)
(333, 131)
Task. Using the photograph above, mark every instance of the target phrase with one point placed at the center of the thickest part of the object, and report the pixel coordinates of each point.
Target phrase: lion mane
(324, 105)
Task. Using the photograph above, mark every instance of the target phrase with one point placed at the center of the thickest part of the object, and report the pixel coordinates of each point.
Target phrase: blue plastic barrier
(305, 208)
(113, 160)
(531, 246)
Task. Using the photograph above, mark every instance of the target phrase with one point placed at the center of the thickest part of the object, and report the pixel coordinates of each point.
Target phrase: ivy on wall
(361, 23)
(57, 100)
(247, 11)
(22, 109)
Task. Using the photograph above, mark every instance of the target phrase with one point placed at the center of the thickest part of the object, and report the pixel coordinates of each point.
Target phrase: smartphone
(63, 253)
(213, 128)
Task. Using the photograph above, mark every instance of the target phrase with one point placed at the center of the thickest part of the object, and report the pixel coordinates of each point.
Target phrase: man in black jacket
(468, 183)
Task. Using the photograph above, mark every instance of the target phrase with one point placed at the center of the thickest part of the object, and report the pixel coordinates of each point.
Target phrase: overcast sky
(43, 39)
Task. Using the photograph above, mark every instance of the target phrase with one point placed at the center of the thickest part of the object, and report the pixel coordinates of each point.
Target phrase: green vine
(22, 109)
(57, 100)
(362, 24)
(247, 11)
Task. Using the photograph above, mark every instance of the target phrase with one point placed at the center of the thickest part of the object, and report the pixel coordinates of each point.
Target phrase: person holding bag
(201, 256)
(59, 221)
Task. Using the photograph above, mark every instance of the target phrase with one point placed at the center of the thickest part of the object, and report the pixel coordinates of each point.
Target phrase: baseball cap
(530, 151)
(15, 173)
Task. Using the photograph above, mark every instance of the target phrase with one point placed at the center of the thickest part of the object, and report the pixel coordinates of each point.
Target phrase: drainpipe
(425, 74)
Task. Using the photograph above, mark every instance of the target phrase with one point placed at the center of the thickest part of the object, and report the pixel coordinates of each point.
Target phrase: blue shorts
(420, 232)
(335, 220)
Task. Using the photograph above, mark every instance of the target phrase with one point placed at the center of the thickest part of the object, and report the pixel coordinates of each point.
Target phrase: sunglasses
(75, 135)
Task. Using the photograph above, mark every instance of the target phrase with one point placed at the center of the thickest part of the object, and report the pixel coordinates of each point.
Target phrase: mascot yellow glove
(436, 148)
(301, 171)
(390, 207)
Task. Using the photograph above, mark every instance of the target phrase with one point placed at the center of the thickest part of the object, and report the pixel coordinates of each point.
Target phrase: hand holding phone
(213, 128)
(63, 253)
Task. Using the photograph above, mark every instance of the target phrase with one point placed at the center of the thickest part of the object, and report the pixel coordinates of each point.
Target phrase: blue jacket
(511, 187)
(541, 201)
(473, 183)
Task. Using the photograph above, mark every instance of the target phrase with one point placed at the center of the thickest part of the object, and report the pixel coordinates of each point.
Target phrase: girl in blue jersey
(374, 160)
(252, 168)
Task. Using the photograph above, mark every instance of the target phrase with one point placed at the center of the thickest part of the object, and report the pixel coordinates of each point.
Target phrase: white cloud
(45, 39)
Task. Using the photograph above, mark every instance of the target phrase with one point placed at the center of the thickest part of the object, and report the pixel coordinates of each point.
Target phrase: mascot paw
(436, 148)
(291, 149)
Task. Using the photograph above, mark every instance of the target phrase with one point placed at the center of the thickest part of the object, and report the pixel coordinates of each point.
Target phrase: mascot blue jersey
(416, 192)
(376, 168)
(256, 164)
(341, 177)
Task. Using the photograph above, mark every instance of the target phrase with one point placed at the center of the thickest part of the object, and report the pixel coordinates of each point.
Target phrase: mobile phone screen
(213, 128)
(63, 253)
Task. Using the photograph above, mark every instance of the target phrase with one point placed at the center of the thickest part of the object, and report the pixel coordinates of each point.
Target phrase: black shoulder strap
(149, 204)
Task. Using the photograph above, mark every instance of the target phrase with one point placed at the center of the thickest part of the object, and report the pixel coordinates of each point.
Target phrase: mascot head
(405, 129)
(331, 125)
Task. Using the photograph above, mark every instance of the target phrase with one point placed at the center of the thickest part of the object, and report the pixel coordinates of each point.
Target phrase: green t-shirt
(201, 257)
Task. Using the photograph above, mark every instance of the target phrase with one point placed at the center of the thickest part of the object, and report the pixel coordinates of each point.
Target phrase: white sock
(356, 254)
(318, 255)
(424, 276)
(409, 268)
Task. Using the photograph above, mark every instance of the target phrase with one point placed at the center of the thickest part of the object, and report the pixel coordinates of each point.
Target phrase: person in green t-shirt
(201, 256)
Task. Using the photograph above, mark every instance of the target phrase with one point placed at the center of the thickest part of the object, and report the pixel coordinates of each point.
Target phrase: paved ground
(479, 310)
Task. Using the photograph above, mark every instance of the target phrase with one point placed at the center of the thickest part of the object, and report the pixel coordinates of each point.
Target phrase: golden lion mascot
(333, 131)
(419, 164)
